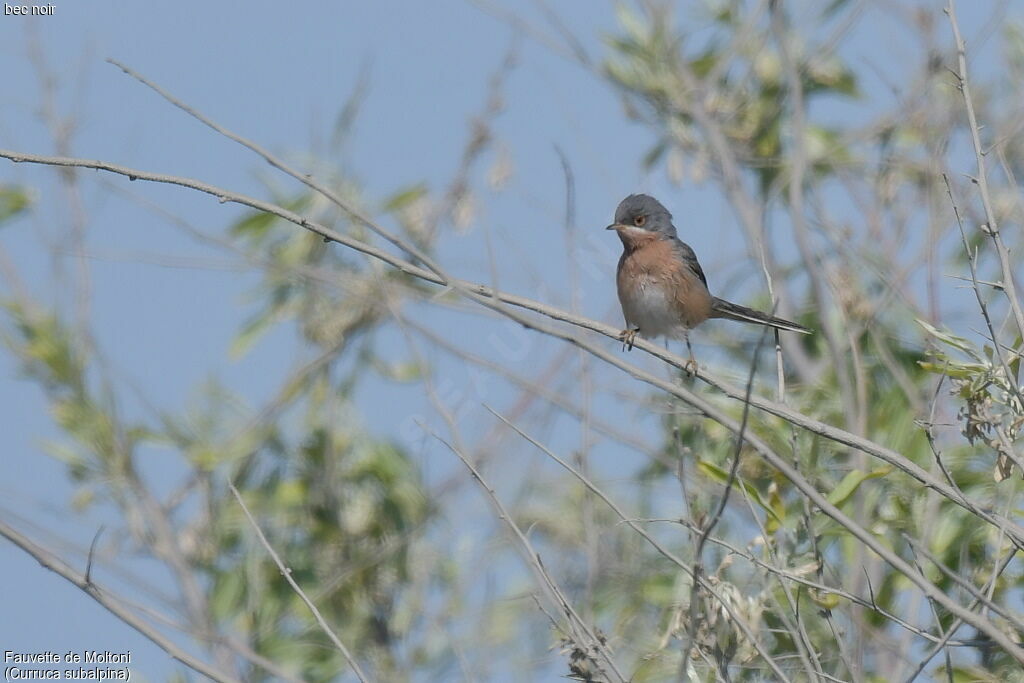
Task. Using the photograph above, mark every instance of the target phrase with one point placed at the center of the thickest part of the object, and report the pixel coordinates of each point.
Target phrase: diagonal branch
(593, 640)
(55, 564)
(287, 574)
(496, 301)
(493, 298)
(992, 227)
(710, 524)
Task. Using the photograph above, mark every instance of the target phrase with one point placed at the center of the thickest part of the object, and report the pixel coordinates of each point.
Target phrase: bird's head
(639, 215)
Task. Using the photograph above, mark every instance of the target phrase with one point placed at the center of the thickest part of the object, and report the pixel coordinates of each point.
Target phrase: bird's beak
(615, 226)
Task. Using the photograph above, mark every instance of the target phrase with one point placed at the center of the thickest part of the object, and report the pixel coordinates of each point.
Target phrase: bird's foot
(690, 367)
(628, 338)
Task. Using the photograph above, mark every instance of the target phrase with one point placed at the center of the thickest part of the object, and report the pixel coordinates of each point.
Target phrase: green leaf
(252, 330)
(721, 476)
(655, 154)
(404, 197)
(823, 599)
(254, 225)
(257, 224)
(633, 24)
(228, 592)
(949, 339)
(953, 370)
(851, 481)
(704, 63)
(778, 506)
(1015, 361)
(13, 200)
(948, 529)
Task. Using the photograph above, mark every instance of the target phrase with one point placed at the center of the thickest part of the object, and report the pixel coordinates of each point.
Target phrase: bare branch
(490, 298)
(287, 573)
(668, 554)
(50, 561)
(992, 227)
(592, 642)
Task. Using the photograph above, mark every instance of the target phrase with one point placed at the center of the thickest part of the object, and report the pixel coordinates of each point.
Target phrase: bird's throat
(635, 238)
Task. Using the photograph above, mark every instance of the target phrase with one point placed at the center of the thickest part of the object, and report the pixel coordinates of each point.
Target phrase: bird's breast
(648, 306)
(659, 294)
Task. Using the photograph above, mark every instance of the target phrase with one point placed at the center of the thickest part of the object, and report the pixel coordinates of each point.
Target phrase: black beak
(615, 226)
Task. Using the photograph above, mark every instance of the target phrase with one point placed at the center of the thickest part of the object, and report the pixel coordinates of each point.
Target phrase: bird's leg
(628, 337)
(691, 365)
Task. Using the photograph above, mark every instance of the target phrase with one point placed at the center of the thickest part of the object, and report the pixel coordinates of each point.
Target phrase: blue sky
(278, 76)
(166, 308)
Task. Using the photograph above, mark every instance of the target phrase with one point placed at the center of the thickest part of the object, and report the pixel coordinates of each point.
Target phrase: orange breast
(659, 293)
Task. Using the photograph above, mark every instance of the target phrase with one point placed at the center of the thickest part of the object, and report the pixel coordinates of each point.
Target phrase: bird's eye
(639, 221)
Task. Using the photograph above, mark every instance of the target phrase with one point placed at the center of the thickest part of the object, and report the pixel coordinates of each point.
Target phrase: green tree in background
(852, 514)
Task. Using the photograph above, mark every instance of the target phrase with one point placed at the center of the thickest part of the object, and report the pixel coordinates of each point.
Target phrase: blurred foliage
(722, 89)
(742, 86)
(720, 95)
(346, 509)
(13, 201)
(988, 387)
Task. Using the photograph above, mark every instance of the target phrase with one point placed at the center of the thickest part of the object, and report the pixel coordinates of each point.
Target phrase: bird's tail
(720, 308)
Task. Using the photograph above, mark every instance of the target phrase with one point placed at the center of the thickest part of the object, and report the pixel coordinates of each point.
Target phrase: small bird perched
(661, 286)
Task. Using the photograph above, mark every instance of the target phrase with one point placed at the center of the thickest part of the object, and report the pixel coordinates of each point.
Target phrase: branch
(55, 564)
(992, 228)
(287, 573)
(595, 642)
(490, 297)
(816, 585)
(709, 526)
(495, 301)
(303, 178)
(665, 552)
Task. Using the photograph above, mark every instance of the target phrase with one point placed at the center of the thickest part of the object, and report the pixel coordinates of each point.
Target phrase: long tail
(720, 308)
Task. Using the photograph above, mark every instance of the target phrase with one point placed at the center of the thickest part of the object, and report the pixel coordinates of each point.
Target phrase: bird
(661, 286)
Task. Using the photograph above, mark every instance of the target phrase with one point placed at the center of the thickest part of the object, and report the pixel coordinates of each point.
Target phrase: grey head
(644, 212)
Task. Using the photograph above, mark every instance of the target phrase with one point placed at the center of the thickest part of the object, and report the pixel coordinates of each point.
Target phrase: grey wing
(689, 258)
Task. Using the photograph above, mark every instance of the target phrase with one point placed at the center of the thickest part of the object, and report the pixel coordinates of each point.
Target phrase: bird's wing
(687, 256)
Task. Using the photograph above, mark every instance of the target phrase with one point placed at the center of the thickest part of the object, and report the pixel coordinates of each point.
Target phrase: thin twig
(287, 573)
(493, 300)
(709, 526)
(304, 178)
(976, 593)
(665, 552)
(489, 297)
(52, 562)
(92, 550)
(972, 262)
(957, 623)
(594, 643)
(992, 227)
